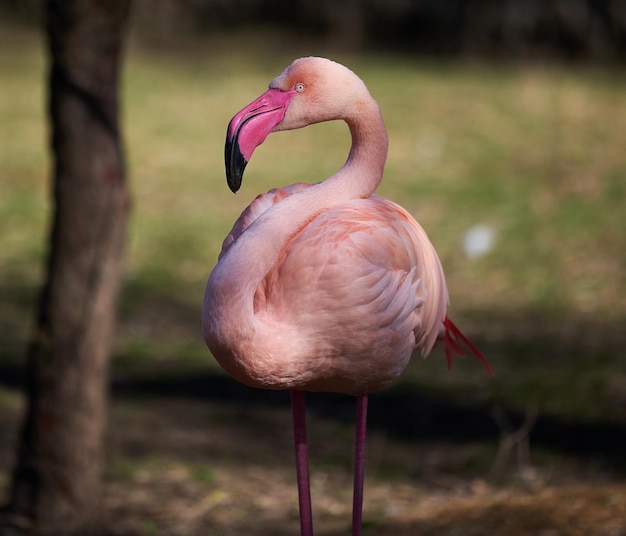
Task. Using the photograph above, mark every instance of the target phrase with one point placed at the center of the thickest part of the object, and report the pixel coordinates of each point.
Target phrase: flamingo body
(368, 289)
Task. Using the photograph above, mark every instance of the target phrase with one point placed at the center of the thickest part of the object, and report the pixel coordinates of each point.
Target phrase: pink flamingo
(323, 287)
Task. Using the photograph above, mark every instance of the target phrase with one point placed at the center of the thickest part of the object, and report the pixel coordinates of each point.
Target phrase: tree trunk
(57, 481)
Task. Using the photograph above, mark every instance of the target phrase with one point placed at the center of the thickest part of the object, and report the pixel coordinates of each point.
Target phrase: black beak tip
(235, 164)
(234, 182)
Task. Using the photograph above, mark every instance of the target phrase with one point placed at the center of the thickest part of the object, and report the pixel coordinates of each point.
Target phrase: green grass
(537, 152)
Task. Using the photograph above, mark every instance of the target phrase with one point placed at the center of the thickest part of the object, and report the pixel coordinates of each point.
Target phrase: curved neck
(239, 273)
(363, 170)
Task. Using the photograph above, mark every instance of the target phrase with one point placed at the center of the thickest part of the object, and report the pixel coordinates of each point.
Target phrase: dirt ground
(185, 467)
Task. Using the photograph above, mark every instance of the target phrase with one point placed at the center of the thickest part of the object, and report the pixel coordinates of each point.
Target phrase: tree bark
(57, 480)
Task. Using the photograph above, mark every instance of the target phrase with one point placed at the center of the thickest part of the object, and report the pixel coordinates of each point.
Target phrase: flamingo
(325, 287)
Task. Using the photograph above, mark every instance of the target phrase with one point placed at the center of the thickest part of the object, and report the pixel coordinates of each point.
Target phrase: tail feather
(455, 342)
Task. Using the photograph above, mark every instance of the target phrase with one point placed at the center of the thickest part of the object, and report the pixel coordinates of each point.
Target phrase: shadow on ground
(399, 412)
(408, 413)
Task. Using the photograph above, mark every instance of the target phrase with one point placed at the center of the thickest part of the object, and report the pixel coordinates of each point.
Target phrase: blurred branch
(511, 439)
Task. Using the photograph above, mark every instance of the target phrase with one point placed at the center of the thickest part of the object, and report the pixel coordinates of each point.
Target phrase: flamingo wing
(363, 286)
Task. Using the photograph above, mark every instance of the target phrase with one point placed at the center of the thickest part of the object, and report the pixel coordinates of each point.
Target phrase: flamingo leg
(302, 462)
(359, 464)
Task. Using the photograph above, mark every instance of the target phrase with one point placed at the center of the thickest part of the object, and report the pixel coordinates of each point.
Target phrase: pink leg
(302, 462)
(359, 464)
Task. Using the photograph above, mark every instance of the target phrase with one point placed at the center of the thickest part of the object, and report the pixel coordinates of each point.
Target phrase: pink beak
(249, 128)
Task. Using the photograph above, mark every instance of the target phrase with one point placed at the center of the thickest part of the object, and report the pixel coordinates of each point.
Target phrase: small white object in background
(478, 240)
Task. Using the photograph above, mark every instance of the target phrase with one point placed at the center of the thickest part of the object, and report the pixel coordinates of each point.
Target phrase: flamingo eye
(299, 87)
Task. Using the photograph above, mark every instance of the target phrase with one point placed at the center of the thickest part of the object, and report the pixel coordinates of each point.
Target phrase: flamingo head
(310, 90)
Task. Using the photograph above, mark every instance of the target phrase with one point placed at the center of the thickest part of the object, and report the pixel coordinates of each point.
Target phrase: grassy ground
(534, 152)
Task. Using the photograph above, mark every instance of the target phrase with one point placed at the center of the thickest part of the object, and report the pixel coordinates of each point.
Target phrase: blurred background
(507, 125)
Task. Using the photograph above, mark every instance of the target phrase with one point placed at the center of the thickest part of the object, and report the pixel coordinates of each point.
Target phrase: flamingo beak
(249, 128)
